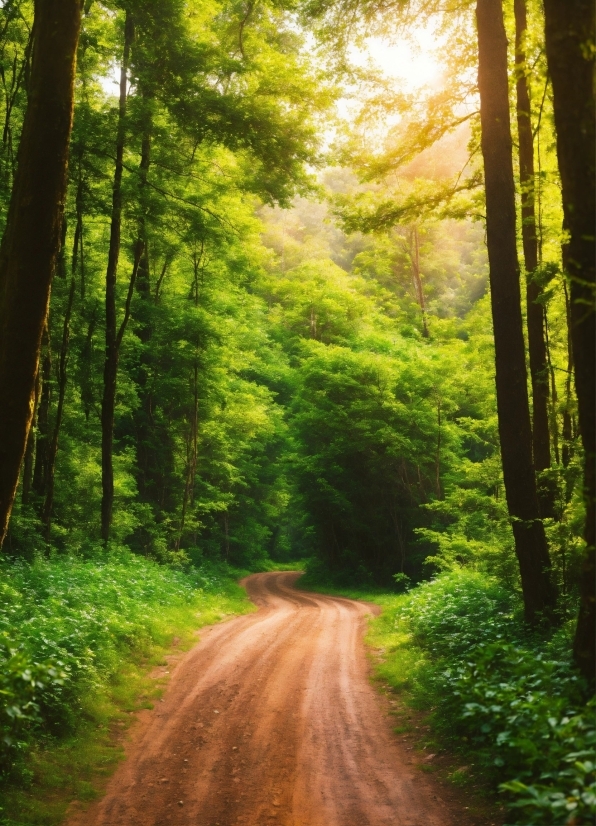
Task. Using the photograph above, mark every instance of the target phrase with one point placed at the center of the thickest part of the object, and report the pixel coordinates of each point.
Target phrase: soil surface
(271, 720)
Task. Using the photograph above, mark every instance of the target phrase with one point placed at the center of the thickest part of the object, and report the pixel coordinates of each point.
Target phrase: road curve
(271, 720)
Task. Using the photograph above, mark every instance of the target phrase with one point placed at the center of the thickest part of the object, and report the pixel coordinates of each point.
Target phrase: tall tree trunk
(31, 241)
(43, 420)
(515, 430)
(193, 430)
(438, 454)
(110, 372)
(78, 247)
(108, 404)
(150, 473)
(570, 55)
(30, 449)
(160, 280)
(192, 451)
(554, 399)
(85, 365)
(567, 429)
(51, 466)
(535, 310)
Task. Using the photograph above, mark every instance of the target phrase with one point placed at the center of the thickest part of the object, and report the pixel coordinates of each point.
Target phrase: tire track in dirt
(271, 720)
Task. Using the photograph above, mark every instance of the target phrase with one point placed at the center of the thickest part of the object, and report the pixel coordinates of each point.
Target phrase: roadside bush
(67, 624)
(512, 699)
(458, 611)
(23, 686)
(566, 793)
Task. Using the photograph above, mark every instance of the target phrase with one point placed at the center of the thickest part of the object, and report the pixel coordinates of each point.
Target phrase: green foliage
(71, 625)
(458, 611)
(286, 389)
(23, 685)
(570, 797)
(355, 479)
(508, 699)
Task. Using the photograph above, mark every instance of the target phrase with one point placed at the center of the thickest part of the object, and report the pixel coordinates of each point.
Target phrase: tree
(535, 310)
(114, 333)
(31, 240)
(510, 367)
(211, 97)
(569, 33)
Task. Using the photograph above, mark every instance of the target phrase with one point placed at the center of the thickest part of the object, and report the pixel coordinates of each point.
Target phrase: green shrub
(23, 687)
(511, 698)
(66, 626)
(458, 611)
(565, 794)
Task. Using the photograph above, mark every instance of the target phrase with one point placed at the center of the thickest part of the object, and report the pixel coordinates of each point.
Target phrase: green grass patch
(272, 565)
(80, 640)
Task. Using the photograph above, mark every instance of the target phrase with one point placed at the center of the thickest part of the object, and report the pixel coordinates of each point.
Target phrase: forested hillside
(273, 334)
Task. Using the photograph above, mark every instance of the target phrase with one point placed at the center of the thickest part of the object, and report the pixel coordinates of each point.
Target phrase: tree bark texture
(43, 419)
(515, 430)
(108, 402)
(570, 56)
(192, 451)
(535, 310)
(53, 451)
(567, 451)
(30, 448)
(31, 241)
(150, 442)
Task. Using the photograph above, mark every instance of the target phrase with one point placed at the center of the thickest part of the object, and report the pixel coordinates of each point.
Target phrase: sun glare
(412, 62)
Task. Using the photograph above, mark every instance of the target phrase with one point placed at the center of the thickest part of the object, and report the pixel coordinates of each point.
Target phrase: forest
(267, 302)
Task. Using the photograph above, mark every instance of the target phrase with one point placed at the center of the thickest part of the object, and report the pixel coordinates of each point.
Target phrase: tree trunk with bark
(535, 310)
(192, 451)
(43, 419)
(570, 56)
(30, 448)
(53, 450)
(567, 451)
(515, 430)
(110, 372)
(31, 241)
(153, 442)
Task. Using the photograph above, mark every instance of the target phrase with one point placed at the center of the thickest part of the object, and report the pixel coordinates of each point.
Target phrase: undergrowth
(77, 640)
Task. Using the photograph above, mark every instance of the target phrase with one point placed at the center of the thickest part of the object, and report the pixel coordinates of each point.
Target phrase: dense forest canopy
(244, 357)
(283, 280)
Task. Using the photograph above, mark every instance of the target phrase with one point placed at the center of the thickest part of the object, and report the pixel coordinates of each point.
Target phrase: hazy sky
(412, 61)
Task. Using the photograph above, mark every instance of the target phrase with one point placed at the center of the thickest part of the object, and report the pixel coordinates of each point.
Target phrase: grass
(56, 763)
(272, 565)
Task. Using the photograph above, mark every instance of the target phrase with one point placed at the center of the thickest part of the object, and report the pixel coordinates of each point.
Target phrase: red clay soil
(271, 720)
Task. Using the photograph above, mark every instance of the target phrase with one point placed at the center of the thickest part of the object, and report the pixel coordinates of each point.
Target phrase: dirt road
(271, 721)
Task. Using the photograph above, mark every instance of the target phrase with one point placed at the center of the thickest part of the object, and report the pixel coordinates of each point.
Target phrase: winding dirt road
(271, 721)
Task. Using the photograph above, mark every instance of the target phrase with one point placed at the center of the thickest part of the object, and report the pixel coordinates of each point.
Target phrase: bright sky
(412, 62)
